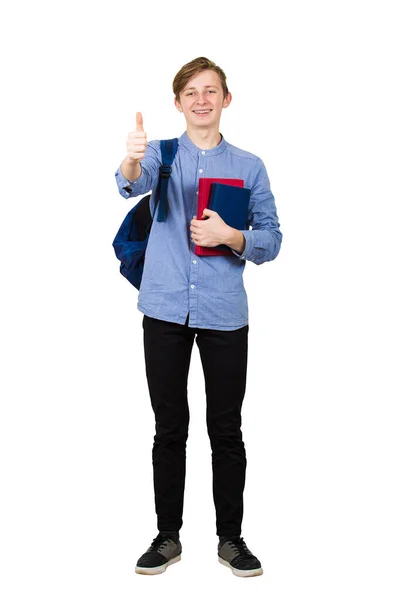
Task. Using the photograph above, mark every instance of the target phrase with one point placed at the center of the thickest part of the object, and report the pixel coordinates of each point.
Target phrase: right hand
(137, 142)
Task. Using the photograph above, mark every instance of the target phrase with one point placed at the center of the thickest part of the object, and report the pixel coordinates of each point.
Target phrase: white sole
(240, 572)
(156, 570)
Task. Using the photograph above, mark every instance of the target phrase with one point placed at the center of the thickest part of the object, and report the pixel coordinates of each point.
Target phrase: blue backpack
(131, 240)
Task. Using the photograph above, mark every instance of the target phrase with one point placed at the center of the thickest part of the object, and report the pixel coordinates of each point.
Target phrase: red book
(202, 203)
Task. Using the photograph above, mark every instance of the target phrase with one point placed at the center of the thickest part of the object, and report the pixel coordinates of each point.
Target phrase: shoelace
(240, 546)
(159, 542)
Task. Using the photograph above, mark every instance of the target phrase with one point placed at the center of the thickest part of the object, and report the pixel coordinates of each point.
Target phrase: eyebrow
(207, 86)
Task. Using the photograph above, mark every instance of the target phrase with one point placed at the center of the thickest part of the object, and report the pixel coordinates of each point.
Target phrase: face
(203, 93)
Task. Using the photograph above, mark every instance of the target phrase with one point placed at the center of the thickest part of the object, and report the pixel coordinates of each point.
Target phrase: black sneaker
(233, 553)
(164, 550)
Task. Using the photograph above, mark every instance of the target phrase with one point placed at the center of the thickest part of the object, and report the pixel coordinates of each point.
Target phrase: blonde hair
(192, 68)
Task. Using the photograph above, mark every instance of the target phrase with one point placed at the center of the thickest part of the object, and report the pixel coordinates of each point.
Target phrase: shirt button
(194, 262)
(197, 192)
(203, 152)
(192, 286)
(194, 216)
(200, 170)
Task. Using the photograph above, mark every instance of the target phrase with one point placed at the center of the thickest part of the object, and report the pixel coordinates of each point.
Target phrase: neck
(204, 138)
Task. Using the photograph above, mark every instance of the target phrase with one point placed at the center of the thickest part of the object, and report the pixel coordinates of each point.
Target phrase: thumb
(139, 122)
(208, 212)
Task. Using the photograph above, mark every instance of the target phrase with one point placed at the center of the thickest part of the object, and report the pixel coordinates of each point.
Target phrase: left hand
(210, 231)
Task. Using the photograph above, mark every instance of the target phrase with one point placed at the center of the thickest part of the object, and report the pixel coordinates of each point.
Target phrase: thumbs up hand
(137, 142)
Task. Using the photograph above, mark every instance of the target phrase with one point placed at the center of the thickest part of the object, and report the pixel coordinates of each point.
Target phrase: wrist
(131, 170)
(235, 240)
(131, 162)
(227, 236)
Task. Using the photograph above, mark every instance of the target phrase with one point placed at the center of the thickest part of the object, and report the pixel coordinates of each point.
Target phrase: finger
(139, 122)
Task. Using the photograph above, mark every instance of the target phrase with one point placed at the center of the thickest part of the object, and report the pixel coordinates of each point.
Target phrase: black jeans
(168, 348)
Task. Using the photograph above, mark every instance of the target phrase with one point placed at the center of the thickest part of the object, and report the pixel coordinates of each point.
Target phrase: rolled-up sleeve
(264, 240)
(149, 176)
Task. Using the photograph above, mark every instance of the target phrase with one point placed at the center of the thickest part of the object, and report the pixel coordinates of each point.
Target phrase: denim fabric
(168, 347)
(176, 282)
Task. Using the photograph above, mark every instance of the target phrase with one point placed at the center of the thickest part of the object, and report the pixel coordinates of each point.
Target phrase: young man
(185, 297)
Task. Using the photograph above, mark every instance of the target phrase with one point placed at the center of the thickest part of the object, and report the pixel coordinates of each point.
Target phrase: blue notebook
(231, 203)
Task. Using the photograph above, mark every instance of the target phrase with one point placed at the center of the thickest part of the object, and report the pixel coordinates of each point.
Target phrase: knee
(225, 441)
(172, 436)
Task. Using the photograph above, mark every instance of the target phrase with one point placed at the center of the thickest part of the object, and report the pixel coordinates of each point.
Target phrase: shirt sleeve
(264, 240)
(149, 176)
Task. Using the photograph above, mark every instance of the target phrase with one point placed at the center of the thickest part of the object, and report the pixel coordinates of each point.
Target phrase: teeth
(202, 111)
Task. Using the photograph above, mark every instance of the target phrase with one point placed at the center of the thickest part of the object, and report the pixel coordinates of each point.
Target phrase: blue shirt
(175, 280)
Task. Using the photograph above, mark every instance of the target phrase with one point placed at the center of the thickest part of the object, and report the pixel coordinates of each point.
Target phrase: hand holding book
(209, 230)
(229, 201)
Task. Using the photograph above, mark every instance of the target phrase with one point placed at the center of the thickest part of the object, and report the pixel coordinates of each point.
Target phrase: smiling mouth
(202, 112)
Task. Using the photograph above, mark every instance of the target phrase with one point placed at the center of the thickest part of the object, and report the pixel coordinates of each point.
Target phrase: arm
(263, 241)
(236, 241)
(147, 172)
(130, 169)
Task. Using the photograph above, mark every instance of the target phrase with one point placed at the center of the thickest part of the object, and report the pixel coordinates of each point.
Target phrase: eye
(211, 91)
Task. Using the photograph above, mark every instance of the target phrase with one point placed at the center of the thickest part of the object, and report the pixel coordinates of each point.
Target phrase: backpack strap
(168, 151)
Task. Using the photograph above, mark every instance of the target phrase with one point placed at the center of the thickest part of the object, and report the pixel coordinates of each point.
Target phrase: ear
(178, 106)
(227, 100)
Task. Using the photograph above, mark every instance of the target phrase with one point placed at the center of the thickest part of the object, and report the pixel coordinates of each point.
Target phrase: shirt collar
(185, 141)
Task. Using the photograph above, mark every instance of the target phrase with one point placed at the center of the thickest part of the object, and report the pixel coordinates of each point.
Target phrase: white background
(315, 95)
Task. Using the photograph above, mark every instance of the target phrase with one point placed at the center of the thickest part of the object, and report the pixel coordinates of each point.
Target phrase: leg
(224, 359)
(168, 348)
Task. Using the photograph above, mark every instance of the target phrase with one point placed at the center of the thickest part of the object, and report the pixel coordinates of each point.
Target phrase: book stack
(230, 199)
